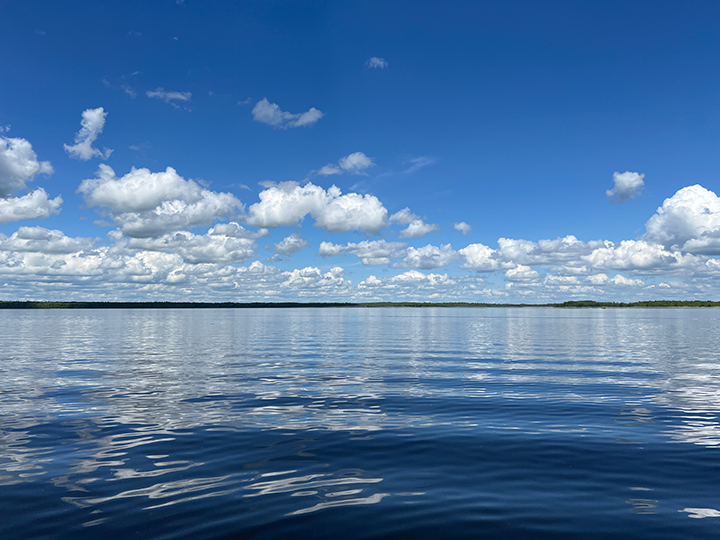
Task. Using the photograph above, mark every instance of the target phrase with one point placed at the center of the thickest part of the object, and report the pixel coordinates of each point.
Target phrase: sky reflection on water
(313, 410)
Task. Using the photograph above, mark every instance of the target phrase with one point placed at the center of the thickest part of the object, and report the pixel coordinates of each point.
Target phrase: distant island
(241, 305)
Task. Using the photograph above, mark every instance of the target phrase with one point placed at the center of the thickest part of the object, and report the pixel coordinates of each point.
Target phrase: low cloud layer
(157, 251)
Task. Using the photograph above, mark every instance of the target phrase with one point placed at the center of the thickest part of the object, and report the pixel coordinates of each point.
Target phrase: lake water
(360, 423)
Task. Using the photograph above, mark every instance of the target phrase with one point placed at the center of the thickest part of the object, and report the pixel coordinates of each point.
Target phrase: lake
(360, 423)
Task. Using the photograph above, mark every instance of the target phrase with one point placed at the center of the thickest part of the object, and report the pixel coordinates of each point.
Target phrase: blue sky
(472, 146)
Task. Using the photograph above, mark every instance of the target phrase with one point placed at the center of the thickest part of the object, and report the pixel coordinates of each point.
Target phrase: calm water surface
(360, 423)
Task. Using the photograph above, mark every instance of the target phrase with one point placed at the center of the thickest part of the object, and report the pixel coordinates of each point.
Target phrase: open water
(360, 423)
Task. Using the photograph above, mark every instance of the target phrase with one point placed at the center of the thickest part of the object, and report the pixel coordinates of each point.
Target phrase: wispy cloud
(169, 96)
(376, 63)
(418, 163)
(271, 114)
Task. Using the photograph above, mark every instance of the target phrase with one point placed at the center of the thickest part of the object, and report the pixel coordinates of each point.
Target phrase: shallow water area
(360, 423)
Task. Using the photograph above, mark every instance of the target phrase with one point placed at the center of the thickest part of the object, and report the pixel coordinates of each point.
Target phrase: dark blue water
(360, 423)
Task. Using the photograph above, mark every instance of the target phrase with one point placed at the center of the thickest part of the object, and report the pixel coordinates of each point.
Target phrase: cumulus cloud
(626, 282)
(34, 205)
(288, 203)
(18, 164)
(370, 252)
(92, 124)
(522, 274)
(271, 114)
(355, 163)
(628, 185)
(462, 227)
(637, 255)
(40, 239)
(563, 250)
(289, 245)
(179, 266)
(480, 258)
(416, 227)
(689, 220)
(194, 249)
(146, 204)
(376, 63)
(415, 285)
(169, 96)
(428, 257)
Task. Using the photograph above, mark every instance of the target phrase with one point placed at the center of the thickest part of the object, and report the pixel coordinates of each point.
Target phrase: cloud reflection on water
(93, 397)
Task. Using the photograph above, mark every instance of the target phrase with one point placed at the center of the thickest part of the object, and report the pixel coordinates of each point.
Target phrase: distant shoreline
(246, 305)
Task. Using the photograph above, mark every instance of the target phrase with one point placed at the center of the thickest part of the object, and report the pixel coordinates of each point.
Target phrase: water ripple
(365, 422)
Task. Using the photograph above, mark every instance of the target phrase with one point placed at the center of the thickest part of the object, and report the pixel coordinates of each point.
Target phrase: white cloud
(418, 228)
(18, 164)
(428, 257)
(690, 220)
(418, 286)
(92, 124)
(308, 281)
(597, 279)
(480, 258)
(40, 239)
(271, 114)
(146, 204)
(289, 245)
(236, 231)
(545, 252)
(329, 169)
(194, 249)
(288, 203)
(169, 96)
(626, 282)
(355, 163)
(404, 217)
(370, 252)
(637, 255)
(377, 63)
(462, 227)
(522, 274)
(628, 185)
(34, 205)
